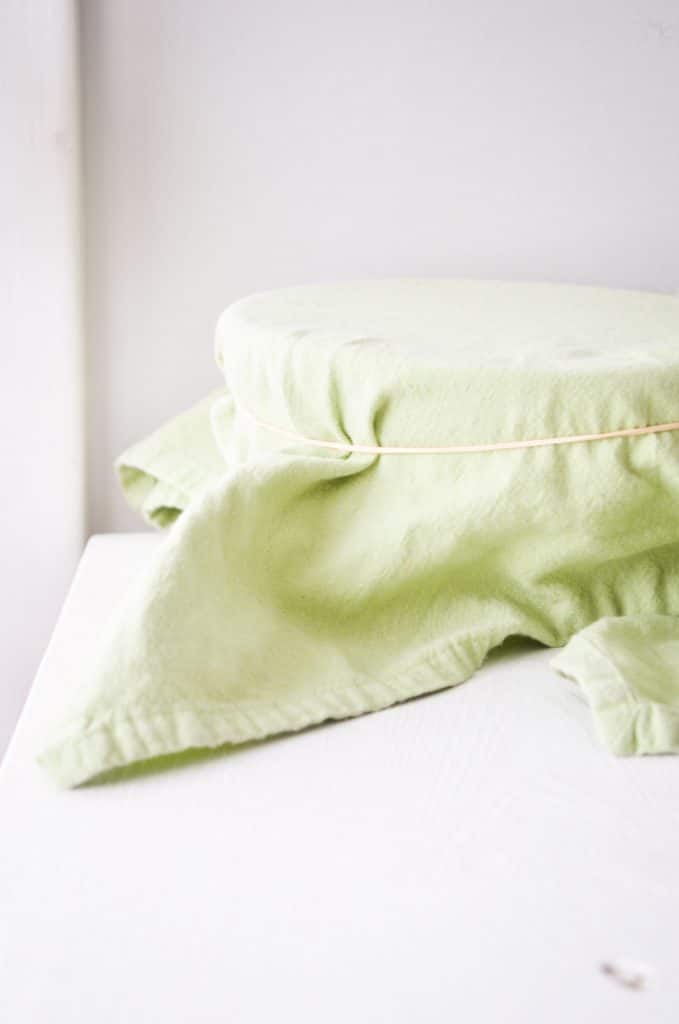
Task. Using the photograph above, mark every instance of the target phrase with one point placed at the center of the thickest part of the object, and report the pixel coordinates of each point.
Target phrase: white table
(471, 856)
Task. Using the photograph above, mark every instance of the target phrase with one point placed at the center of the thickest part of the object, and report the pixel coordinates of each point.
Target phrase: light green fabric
(301, 584)
(163, 472)
(628, 668)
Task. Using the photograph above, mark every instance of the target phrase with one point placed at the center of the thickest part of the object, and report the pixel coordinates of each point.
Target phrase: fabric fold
(161, 474)
(628, 669)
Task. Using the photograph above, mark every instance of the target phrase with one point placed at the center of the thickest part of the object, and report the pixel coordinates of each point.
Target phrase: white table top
(472, 855)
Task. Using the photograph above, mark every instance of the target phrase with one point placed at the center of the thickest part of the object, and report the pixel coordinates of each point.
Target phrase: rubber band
(455, 449)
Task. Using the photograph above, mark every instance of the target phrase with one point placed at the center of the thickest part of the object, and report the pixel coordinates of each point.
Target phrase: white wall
(233, 146)
(42, 507)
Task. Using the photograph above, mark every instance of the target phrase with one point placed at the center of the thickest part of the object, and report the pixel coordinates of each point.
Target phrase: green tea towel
(628, 668)
(304, 582)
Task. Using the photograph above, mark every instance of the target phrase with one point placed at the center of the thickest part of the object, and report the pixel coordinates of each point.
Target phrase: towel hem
(139, 735)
